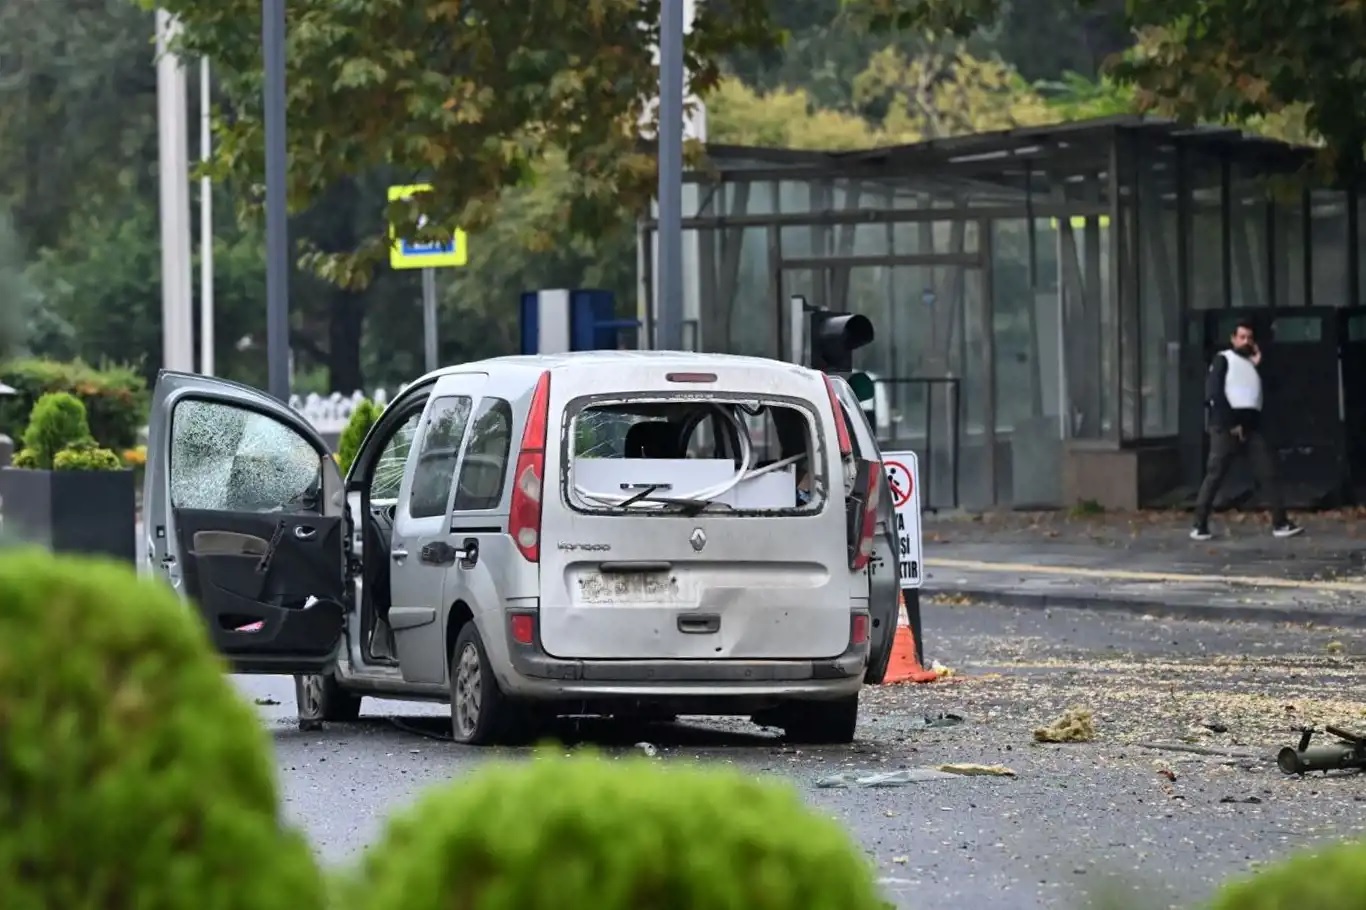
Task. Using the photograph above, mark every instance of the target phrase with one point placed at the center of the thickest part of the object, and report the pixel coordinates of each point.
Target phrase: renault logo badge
(698, 539)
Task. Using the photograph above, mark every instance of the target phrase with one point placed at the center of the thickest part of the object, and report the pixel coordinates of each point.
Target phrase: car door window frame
(485, 405)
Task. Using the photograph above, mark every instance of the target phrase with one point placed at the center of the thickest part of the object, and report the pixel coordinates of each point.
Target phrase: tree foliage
(947, 92)
(464, 94)
(1288, 66)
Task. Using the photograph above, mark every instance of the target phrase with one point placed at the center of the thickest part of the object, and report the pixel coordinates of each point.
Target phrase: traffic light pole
(669, 306)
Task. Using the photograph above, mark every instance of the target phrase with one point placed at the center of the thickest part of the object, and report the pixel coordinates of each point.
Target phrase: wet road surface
(1078, 821)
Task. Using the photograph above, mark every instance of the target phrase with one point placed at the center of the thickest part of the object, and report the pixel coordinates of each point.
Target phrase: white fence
(329, 413)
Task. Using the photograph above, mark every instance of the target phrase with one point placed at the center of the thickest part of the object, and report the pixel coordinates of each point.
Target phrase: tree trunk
(343, 337)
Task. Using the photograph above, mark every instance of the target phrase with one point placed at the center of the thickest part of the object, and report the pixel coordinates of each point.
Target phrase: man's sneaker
(1201, 532)
(1286, 529)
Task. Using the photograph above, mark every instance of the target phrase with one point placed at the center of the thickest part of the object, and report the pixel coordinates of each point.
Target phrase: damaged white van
(616, 532)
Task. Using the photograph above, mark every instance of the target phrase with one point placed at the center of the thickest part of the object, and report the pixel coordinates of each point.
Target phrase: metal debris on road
(937, 721)
(649, 749)
(1348, 754)
(1075, 726)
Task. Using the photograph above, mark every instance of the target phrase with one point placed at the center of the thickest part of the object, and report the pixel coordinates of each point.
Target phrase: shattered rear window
(669, 455)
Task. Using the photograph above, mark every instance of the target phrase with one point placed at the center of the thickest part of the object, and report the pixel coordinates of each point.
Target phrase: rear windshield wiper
(688, 507)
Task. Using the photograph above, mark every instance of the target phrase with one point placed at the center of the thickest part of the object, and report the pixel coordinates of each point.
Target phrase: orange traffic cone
(905, 663)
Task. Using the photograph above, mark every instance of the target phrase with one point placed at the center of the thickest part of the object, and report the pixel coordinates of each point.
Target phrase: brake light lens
(863, 550)
(524, 523)
(841, 426)
(690, 377)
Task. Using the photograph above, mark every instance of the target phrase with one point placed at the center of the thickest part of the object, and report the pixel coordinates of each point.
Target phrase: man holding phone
(1233, 394)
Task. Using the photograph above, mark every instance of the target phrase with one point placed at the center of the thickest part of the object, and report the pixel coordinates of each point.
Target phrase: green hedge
(560, 833)
(132, 775)
(115, 398)
(1328, 878)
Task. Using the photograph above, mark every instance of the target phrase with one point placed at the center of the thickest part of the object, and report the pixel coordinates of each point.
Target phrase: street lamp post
(277, 224)
(670, 151)
(177, 324)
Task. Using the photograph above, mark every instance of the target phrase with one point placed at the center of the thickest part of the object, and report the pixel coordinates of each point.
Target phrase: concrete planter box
(90, 512)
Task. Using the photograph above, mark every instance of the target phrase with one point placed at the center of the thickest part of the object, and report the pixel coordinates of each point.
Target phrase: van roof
(683, 360)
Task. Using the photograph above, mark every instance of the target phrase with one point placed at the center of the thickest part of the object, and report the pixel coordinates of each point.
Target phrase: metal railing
(894, 432)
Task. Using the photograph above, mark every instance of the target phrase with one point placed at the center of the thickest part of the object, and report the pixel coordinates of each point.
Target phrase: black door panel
(252, 575)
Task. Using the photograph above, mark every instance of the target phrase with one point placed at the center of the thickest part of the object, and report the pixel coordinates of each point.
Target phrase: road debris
(1075, 726)
(1348, 754)
(650, 750)
(938, 721)
(859, 779)
(971, 770)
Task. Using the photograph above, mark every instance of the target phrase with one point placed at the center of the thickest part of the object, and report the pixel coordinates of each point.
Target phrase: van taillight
(524, 522)
(863, 549)
(841, 427)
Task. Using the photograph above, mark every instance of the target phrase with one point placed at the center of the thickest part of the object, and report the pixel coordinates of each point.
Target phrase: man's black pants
(1224, 448)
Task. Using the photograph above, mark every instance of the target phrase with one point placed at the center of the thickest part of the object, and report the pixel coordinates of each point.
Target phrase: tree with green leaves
(1216, 60)
(466, 96)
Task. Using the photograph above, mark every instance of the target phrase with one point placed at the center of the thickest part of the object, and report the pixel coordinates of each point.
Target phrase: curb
(1162, 609)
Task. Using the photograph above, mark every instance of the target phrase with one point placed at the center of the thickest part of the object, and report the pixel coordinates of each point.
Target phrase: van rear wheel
(820, 722)
(481, 715)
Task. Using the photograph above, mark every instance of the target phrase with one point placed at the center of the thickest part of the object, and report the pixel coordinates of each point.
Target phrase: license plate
(626, 587)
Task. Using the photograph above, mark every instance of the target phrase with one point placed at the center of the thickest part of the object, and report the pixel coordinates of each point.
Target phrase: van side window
(480, 485)
(442, 433)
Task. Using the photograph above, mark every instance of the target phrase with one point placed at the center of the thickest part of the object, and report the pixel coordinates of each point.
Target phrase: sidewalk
(1144, 563)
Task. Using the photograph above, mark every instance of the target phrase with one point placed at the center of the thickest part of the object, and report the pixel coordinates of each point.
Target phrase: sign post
(428, 256)
(903, 477)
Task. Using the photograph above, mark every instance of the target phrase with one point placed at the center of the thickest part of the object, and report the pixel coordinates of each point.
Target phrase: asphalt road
(1078, 822)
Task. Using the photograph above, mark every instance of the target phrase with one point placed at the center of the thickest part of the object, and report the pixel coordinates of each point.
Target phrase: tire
(821, 722)
(321, 699)
(481, 715)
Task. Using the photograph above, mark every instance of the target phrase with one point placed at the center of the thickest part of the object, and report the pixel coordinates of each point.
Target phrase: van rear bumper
(537, 674)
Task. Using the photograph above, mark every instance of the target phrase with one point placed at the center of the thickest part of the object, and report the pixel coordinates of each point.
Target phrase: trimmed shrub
(360, 422)
(86, 457)
(131, 773)
(115, 398)
(58, 422)
(613, 835)
(1331, 878)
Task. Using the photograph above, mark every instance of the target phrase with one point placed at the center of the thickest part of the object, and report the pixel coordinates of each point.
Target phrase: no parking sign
(903, 476)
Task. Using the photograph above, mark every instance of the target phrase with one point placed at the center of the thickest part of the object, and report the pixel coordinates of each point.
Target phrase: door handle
(699, 623)
(399, 555)
(304, 532)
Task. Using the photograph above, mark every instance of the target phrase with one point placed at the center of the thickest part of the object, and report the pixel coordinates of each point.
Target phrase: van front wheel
(321, 699)
(820, 722)
(481, 714)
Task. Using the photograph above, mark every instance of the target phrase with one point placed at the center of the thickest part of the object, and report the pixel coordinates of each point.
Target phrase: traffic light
(864, 387)
(835, 337)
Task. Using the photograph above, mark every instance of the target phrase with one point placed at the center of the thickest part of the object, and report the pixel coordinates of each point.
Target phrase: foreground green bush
(1333, 878)
(560, 834)
(132, 776)
(115, 398)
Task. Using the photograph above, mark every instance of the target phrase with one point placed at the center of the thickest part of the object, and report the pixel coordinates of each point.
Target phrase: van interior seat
(653, 439)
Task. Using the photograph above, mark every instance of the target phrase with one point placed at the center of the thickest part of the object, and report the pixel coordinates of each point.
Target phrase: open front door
(244, 515)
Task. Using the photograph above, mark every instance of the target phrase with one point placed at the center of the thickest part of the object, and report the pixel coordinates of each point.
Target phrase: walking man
(1233, 394)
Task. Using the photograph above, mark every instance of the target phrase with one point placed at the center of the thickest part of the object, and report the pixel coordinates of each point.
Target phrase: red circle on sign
(899, 496)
